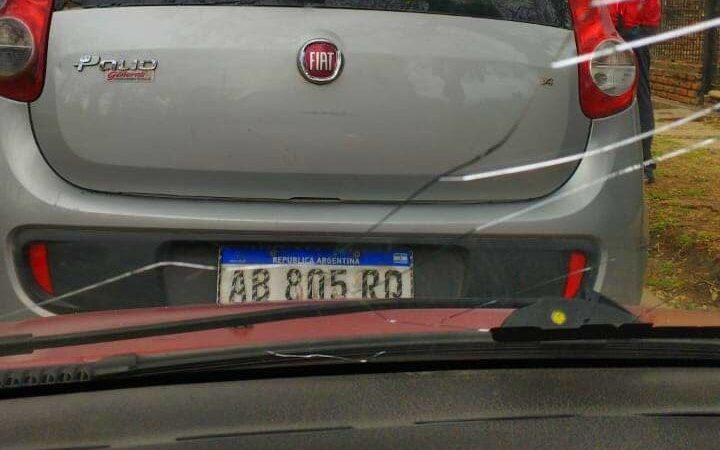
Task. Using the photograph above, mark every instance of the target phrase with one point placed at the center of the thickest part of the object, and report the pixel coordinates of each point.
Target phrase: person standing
(636, 19)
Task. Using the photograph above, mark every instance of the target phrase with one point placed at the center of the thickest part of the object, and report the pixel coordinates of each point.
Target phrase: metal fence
(696, 52)
(685, 49)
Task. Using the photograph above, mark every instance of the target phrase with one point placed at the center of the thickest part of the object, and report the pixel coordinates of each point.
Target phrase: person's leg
(647, 119)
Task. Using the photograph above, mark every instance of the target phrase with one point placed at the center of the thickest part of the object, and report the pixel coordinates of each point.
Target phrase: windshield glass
(336, 170)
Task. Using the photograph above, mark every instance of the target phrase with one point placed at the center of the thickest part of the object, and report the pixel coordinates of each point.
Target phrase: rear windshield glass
(545, 12)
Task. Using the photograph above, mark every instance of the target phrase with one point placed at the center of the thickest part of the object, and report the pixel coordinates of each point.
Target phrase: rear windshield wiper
(19, 344)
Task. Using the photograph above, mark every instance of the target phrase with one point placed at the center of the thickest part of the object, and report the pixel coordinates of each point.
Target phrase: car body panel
(596, 203)
(228, 115)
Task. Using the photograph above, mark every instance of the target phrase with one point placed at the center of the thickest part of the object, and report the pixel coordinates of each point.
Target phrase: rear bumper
(608, 212)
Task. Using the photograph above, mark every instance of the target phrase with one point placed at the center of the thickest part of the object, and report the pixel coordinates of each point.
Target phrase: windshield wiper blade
(20, 344)
(436, 351)
(403, 349)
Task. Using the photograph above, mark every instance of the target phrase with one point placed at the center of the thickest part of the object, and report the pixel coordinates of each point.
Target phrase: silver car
(276, 150)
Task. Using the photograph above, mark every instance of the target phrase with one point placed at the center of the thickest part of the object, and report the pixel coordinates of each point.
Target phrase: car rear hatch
(227, 114)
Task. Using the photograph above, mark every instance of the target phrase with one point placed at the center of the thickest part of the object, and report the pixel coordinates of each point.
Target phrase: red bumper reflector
(40, 266)
(576, 270)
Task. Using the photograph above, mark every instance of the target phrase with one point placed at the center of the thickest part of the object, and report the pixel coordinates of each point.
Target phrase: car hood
(355, 325)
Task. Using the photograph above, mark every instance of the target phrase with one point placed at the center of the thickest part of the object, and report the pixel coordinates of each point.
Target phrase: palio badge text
(120, 69)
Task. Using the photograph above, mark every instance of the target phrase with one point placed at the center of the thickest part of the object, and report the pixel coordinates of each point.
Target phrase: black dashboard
(510, 408)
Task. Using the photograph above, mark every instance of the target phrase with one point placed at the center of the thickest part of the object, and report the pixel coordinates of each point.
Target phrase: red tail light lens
(40, 266)
(607, 81)
(24, 26)
(576, 270)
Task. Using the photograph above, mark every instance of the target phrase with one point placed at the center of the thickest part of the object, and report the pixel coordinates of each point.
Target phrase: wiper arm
(636, 331)
(596, 318)
(20, 344)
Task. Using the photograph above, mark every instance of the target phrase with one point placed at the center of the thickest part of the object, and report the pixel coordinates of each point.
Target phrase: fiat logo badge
(320, 61)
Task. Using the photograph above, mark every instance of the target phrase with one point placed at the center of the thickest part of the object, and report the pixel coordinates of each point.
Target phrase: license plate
(254, 274)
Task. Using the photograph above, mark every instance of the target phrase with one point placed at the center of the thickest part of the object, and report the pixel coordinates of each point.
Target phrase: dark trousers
(645, 107)
(647, 118)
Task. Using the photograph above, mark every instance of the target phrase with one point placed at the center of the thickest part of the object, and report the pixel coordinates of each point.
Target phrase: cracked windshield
(291, 176)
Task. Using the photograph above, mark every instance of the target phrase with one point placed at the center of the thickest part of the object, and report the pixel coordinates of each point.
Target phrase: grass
(684, 215)
(664, 276)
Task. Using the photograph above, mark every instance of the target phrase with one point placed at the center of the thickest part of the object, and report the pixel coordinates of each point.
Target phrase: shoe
(649, 175)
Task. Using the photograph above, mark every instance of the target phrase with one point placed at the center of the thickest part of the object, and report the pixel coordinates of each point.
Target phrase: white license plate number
(253, 274)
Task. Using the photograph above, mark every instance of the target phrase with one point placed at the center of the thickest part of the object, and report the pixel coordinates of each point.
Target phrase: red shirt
(634, 13)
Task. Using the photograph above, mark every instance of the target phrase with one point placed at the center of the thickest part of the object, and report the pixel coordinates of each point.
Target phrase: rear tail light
(24, 26)
(576, 269)
(607, 81)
